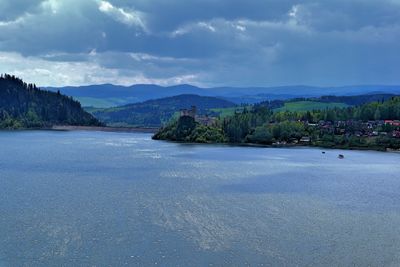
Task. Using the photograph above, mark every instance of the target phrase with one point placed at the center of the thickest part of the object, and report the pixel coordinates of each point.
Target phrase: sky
(201, 42)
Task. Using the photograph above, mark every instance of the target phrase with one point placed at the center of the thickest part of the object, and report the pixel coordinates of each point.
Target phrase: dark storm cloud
(207, 42)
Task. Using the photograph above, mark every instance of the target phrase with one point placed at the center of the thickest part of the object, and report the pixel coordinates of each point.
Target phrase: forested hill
(154, 113)
(24, 105)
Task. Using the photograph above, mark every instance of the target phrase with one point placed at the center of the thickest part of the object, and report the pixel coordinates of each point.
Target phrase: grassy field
(290, 106)
(309, 105)
(225, 112)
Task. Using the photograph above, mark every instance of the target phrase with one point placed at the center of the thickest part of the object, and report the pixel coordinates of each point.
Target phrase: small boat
(341, 156)
(323, 152)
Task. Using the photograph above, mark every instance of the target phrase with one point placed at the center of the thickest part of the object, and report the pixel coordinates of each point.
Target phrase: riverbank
(104, 129)
(289, 145)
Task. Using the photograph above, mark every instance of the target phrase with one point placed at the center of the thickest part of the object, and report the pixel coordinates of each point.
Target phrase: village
(390, 128)
(359, 128)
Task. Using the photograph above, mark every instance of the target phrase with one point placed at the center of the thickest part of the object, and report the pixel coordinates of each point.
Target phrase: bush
(261, 135)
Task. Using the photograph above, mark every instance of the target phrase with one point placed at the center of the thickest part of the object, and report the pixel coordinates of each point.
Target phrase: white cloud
(208, 26)
(56, 73)
(16, 21)
(294, 11)
(224, 26)
(143, 57)
(241, 28)
(130, 18)
(52, 5)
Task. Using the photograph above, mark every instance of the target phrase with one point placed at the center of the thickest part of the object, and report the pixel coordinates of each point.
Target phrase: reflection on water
(112, 199)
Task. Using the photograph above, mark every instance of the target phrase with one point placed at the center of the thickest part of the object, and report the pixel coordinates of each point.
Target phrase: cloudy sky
(202, 42)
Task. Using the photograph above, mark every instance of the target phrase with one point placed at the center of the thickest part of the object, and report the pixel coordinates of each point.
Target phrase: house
(305, 140)
(327, 128)
(396, 134)
(340, 131)
(372, 124)
(392, 122)
(206, 120)
(340, 124)
(192, 112)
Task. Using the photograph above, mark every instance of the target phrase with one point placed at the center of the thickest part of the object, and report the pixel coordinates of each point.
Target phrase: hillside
(314, 103)
(323, 102)
(108, 95)
(25, 106)
(309, 105)
(356, 100)
(154, 113)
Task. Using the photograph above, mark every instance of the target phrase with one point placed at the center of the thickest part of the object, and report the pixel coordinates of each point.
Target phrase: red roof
(391, 122)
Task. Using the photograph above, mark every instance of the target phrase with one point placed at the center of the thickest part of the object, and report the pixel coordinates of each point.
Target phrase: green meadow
(309, 105)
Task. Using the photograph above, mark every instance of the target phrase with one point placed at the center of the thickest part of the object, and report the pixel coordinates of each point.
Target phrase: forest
(24, 105)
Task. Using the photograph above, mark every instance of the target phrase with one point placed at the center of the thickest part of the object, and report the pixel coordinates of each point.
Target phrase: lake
(115, 199)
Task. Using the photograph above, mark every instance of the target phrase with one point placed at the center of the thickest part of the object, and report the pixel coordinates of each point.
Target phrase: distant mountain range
(108, 95)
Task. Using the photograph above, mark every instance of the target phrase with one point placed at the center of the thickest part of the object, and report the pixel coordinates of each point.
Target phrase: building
(189, 112)
(305, 140)
(192, 112)
(392, 123)
(396, 134)
(206, 120)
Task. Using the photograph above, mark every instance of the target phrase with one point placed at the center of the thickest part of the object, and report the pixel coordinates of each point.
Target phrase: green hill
(154, 113)
(309, 105)
(324, 102)
(24, 105)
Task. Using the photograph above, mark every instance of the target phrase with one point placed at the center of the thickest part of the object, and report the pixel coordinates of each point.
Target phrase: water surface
(114, 199)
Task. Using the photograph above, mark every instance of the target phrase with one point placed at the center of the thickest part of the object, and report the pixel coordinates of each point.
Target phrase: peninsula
(373, 126)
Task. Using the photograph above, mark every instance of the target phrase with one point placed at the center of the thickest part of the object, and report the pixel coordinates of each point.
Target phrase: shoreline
(86, 128)
(389, 150)
(103, 129)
